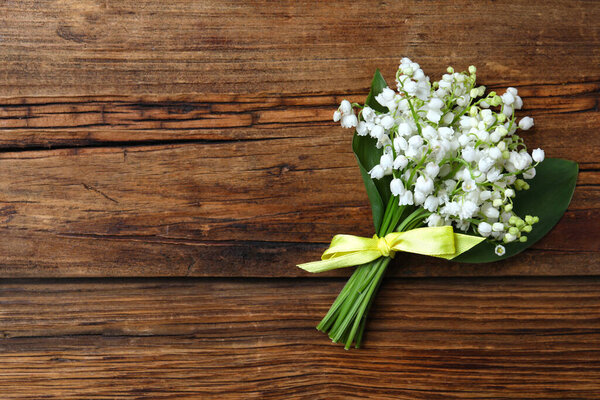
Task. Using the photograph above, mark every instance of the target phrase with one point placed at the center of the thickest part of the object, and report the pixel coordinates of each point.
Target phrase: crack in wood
(93, 189)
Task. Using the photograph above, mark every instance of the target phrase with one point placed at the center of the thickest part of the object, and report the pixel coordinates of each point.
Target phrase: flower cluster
(451, 150)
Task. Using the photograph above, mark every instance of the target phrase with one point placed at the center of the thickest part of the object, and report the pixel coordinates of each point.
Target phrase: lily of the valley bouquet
(447, 176)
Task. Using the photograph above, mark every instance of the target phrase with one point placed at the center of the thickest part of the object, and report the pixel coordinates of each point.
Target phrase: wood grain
(183, 339)
(189, 139)
(46, 122)
(218, 209)
(74, 47)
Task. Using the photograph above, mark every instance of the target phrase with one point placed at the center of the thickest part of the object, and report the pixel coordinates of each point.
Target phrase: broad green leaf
(359, 145)
(368, 155)
(548, 197)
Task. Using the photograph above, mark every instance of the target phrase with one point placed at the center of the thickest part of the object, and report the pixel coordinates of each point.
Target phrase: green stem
(366, 298)
(346, 319)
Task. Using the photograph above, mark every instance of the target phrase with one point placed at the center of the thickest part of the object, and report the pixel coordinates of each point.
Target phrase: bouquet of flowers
(436, 159)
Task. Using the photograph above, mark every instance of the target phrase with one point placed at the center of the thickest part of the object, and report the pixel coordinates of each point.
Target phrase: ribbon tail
(340, 261)
(462, 243)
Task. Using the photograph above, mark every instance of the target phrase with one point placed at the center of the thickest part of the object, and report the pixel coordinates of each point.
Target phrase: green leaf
(368, 155)
(548, 197)
(378, 205)
(377, 86)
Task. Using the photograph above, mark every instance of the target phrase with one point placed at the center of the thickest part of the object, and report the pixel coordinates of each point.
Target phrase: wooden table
(165, 165)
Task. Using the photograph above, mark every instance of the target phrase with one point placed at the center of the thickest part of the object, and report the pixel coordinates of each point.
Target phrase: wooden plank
(101, 120)
(242, 208)
(77, 47)
(183, 339)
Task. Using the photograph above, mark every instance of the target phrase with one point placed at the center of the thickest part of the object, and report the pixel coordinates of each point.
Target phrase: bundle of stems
(345, 322)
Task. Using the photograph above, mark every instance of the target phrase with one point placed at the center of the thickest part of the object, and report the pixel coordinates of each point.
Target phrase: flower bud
(520, 223)
(508, 207)
(523, 239)
(538, 155)
(472, 69)
(526, 228)
(526, 123)
(495, 101)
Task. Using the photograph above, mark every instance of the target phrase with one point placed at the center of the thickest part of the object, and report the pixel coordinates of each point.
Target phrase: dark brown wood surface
(164, 166)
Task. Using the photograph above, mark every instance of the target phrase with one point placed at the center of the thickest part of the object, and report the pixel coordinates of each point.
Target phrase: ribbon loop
(349, 250)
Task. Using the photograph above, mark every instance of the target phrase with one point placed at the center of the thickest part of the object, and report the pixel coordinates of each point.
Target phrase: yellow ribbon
(349, 250)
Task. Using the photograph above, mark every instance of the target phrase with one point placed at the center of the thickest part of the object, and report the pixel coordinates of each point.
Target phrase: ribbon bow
(349, 250)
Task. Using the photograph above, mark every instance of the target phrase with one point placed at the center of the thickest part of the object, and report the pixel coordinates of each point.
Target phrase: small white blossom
(484, 229)
(406, 198)
(400, 162)
(518, 104)
(508, 98)
(494, 153)
(500, 250)
(368, 114)
(337, 115)
(386, 96)
(529, 174)
(346, 107)
(485, 164)
(400, 144)
(404, 129)
(429, 132)
(434, 112)
(469, 185)
(468, 209)
(432, 170)
(424, 184)
(419, 198)
(485, 195)
(387, 122)
(431, 203)
(469, 154)
(349, 121)
(415, 141)
(377, 172)
(377, 132)
(493, 175)
(361, 128)
(434, 220)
